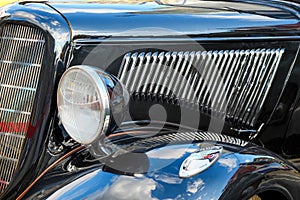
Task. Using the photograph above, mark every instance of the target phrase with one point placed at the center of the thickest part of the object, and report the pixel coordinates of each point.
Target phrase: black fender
(134, 173)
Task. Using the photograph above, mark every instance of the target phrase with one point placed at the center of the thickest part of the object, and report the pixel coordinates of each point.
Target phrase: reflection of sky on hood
(160, 183)
(192, 24)
(163, 157)
(207, 185)
(122, 187)
(129, 20)
(195, 186)
(230, 163)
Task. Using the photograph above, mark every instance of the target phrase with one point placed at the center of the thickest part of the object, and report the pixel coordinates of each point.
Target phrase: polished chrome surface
(21, 56)
(231, 84)
(190, 136)
(95, 81)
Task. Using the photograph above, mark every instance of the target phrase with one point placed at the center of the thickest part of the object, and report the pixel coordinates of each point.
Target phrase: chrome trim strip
(7, 158)
(15, 111)
(119, 41)
(23, 39)
(20, 63)
(12, 135)
(175, 137)
(18, 87)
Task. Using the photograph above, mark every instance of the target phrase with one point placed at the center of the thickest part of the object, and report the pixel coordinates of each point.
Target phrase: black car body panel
(211, 19)
(101, 35)
(230, 178)
(45, 18)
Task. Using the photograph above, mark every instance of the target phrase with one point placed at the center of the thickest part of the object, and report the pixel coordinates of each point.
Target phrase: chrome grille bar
(230, 83)
(21, 54)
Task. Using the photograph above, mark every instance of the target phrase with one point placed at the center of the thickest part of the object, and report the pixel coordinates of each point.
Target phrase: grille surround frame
(35, 155)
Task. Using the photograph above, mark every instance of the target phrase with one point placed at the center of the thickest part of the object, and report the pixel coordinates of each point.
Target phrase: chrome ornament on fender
(199, 161)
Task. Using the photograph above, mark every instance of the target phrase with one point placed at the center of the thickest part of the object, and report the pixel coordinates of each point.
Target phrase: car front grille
(21, 55)
(226, 83)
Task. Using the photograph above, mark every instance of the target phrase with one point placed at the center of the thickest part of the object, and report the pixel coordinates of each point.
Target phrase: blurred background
(4, 2)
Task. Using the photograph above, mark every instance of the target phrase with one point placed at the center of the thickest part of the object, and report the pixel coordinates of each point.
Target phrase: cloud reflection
(230, 163)
(173, 152)
(123, 185)
(195, 186)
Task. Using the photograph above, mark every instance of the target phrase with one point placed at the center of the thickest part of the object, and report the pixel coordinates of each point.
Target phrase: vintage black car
(195, 99)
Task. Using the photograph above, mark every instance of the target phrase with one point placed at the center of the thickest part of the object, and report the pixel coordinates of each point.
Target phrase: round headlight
(84, 103)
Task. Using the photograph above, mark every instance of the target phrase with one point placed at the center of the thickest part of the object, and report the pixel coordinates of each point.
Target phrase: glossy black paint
(106, 56)
(282, 131)
(138, 173)
(206, 22)
(85, 26)
(211, 19)
(291, 144)
(57, 34)
(218, 23)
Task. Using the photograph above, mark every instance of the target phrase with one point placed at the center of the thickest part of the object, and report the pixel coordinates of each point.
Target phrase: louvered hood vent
(234, 83)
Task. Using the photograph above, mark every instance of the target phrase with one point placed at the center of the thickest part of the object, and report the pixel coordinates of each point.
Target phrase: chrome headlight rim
(102, 91)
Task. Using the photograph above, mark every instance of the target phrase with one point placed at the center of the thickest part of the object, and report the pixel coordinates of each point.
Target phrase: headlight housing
(85, 98)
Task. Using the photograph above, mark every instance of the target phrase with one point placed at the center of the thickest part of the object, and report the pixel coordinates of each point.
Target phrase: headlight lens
(83, 104)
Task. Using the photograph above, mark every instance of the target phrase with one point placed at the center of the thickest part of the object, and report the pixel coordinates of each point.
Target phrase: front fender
(239, 173)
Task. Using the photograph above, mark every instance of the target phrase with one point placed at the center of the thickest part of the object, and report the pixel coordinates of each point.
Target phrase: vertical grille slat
(152, 69)
(167, 72)
(21, 54)
(271, 75)
(206, 75)
(138, 71)
(176, 75)
(161, 72)
(219, 79)
(243, 82)
(190, 74)
(234, 83)
(183, 74)
(255, 83)
(171, 76)
(214, 77)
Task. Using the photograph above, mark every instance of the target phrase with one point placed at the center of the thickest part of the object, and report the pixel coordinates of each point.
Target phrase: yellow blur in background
(4, 2)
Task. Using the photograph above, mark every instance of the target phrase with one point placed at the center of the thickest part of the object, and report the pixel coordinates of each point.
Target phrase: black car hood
(209, 18)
